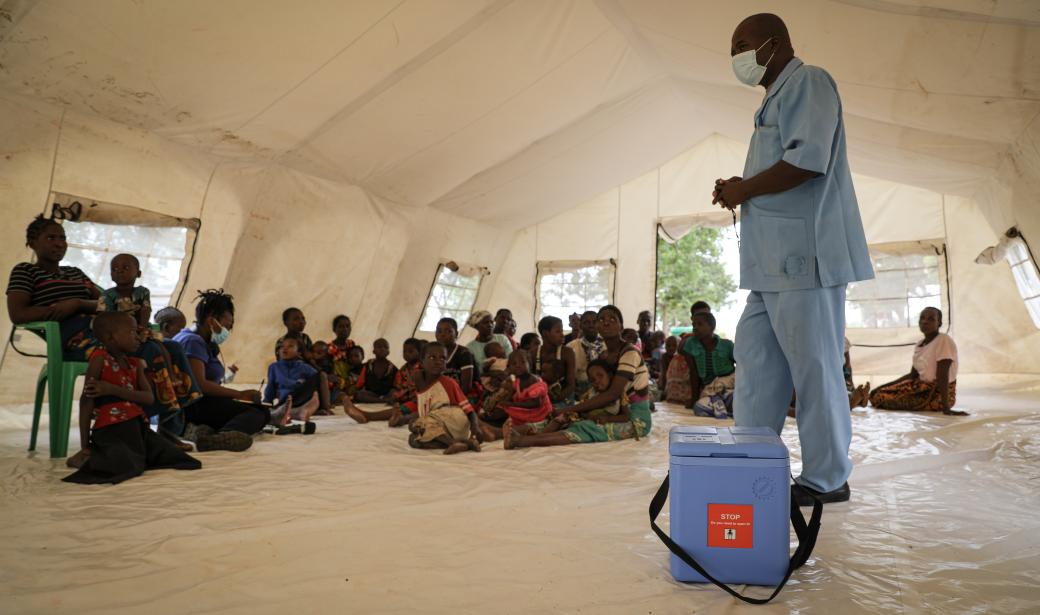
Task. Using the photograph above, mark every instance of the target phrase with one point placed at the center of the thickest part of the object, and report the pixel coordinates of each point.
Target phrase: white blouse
(927, 357)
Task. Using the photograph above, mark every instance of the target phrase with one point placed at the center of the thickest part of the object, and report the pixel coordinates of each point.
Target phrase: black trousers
(226, 414)
(125, 450)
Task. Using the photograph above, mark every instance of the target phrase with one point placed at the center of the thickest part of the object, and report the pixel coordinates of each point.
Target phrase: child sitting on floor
(444, 417)
(601, 374)
(300, 389)
(403, 392)
(528, 403)
(349, 371)
(322, 361)
(121, 444)
(165, 363)
(295, 323)
(338, 347)
(376, 381)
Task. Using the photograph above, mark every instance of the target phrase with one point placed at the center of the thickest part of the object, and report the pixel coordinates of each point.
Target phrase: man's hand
(728, 193)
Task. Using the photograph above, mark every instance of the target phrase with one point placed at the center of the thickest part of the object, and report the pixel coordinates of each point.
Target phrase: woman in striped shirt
(46, 290)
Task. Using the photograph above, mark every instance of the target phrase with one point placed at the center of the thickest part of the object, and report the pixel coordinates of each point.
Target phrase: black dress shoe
(841, 494)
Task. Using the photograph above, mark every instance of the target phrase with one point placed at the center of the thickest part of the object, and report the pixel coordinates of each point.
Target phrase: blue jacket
(810, 236)
(284, 376)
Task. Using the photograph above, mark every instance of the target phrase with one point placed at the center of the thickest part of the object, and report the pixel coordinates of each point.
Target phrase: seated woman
(555, 362)
(932, 382)
(711, 369)
(485, 324)
(631, 380)
(223, 418)
(46, 290)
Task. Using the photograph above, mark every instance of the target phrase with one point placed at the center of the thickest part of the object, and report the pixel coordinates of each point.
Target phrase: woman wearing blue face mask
(223, 419)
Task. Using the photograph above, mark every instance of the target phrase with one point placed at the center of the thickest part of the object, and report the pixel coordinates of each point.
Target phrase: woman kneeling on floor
(630, 382)
(932, 381)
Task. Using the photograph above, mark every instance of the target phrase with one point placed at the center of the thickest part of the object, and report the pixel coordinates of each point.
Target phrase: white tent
(336, 153)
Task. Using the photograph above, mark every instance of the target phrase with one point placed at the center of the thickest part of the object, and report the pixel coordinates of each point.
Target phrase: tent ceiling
(512, 110)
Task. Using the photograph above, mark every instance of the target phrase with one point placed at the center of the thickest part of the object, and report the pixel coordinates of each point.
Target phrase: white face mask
(746, 66)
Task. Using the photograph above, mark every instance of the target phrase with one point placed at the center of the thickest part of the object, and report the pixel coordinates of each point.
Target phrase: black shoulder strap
(806, 533)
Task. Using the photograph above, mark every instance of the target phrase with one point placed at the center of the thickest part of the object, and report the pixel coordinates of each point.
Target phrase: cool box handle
(807, 534)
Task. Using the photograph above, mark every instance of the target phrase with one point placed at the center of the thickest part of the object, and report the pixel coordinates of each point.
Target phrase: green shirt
(718, 362)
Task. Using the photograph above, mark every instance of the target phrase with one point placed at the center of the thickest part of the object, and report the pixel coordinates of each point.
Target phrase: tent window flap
(908, 278)
(452, 295)
(566, 287)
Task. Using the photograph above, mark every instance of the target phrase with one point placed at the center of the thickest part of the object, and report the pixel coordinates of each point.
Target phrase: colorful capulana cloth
(716, 400)
(912, 395)
(677, 388)
(587, 430)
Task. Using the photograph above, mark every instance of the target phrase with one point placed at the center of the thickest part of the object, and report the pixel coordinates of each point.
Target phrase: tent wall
(271, 236)
(988, 318)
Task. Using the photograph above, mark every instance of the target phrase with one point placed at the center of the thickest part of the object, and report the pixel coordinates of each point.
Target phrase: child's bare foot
(354, 413)
(473, 445)
(866, 395)
(456, 447)
(77, 460)
(856, 399)
(397, 418)
(510, 436)
(488, 433)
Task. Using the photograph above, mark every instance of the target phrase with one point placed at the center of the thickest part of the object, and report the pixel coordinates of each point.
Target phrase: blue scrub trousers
(794, 341)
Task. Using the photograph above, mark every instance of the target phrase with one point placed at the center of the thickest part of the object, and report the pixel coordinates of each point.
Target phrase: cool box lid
(704, 441)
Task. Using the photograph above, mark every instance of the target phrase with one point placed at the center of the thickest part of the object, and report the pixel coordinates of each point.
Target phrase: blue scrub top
(810, 236)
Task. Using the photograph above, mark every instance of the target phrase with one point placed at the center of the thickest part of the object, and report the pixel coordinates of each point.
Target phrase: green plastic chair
(58, 377)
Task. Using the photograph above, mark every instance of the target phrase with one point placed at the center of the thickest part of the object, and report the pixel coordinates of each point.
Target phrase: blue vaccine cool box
(730, 503)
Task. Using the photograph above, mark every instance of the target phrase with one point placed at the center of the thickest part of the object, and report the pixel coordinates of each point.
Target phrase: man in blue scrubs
(802, 242)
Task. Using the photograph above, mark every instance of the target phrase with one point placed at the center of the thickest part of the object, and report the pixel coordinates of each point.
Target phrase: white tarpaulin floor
(943, 518)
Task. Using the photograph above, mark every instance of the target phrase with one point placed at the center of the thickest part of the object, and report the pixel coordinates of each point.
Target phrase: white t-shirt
(927, 357)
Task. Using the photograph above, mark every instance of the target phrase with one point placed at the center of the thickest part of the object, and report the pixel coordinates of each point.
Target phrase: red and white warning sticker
(731, 525)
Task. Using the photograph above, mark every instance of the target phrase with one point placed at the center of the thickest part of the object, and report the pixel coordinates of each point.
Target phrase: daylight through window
(904, 284)
(160, 250)
(452, 296)
(1026, 278)
(567, 288)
